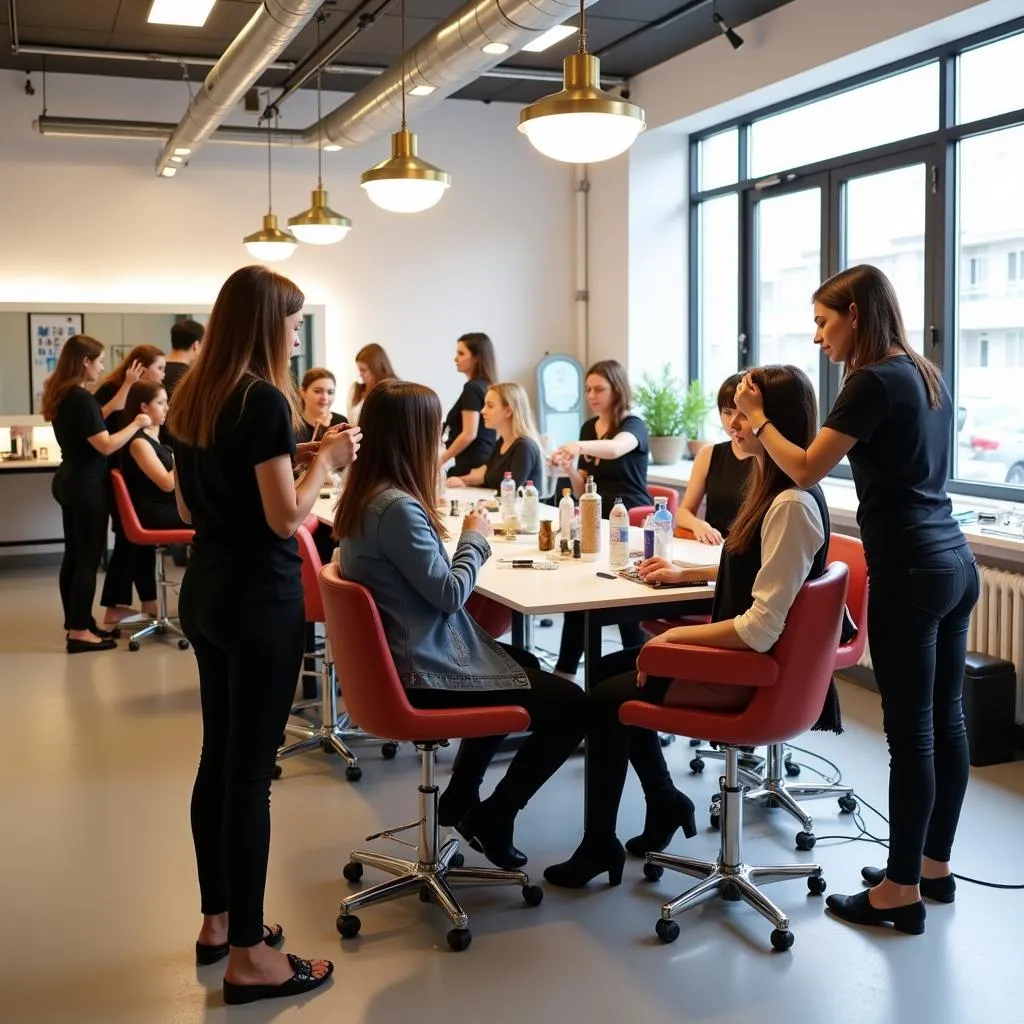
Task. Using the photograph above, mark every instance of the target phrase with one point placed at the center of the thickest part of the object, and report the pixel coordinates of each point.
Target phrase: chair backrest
(851, 551)
(310, 575)
(493, 618)
(638, 513)
(125, 509)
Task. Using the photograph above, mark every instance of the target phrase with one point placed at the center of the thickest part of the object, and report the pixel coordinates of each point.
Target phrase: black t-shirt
(173, 372)
(900, 462)
(103, 394)
(479, 451)
(305, 432)
(725, 487)
(522, 460)
(220, 490)
(625, 477)
(78, 418)
(156, 508)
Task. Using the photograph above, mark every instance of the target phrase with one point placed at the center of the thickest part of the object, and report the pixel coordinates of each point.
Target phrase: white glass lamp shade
(404, 183)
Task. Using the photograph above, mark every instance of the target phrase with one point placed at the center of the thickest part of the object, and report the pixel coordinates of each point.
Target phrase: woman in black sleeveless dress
(778, 541)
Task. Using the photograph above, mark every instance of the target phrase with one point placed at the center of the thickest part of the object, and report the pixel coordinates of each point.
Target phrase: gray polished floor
(98, 901)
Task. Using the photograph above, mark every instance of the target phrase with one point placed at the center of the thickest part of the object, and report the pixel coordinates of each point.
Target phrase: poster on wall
(47, 332)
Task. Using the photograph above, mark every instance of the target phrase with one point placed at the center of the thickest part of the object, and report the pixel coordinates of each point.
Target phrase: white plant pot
(667, 451)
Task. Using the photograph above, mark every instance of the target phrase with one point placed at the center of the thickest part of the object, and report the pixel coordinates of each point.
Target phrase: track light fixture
(735, 39)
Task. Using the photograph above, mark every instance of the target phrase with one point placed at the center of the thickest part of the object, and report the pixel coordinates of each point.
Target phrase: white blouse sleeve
(791, 535)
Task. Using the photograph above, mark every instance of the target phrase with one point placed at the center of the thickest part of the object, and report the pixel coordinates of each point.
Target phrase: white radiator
(997, 625)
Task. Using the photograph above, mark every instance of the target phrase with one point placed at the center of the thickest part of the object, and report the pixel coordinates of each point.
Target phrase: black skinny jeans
(917, 633)
(84, 511)
(248, 655)
(557, 710)
(574, 639)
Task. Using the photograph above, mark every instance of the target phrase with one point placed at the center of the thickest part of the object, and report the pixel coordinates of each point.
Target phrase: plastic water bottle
(566, 510)
(531, 508)
(662, 529)
(618, 536)
(508, 498)
(649, 536)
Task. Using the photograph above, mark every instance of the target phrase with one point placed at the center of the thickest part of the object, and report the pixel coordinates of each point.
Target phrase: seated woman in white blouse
(778, 541)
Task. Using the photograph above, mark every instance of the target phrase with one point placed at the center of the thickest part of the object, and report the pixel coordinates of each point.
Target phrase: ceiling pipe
(160, 131)
(274, 25)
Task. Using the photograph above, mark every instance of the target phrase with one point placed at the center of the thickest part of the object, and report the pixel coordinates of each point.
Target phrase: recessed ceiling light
(331, 147)
(182, 151)
(169, 172)
(180, 12)
(495, 48)
(177, 159)
(422, 90)
(549, 38)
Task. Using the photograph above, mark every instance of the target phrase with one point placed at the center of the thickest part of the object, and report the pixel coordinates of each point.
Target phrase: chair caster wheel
(133, 645)
(388, 751)
(352, 871)
(458, 861)
(695, 743)
(714, 820)
(348, 925)
(459, 939)
(183, 644)
(697, 766)
(667, 931)
(666, 739)
(782, 940)
(805, 841)
(816, 885)
(425, 895)
(278, 771)
(653, 872)
(792, 770)
(533, 894)
(847, 804)
(353, 773)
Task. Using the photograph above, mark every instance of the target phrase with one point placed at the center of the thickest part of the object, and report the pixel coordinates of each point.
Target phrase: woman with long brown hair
(316, 392)
(391, 539)
(894, 417)
(373, 366)
(80, 483)
(241, 606)
(467, 440)
(778, 541)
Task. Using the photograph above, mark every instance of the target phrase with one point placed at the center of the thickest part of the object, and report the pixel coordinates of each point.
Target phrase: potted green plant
(662, 406)
(696, 407)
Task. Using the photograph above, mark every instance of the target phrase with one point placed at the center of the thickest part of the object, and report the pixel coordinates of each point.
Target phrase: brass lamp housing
(581, 94)
(270, 232)
(404, 164)
(319, 214)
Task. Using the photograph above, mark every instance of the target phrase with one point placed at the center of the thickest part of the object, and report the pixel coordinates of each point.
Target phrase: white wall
(92, 223)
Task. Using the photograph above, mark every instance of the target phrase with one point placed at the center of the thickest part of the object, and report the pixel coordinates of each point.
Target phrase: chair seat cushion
(164, 538)
(457, 723)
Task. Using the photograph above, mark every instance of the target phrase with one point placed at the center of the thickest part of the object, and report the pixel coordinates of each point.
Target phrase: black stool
(990, 708)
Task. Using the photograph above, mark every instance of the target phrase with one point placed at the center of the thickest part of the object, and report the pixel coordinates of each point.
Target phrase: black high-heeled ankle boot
(665, 813)
(592, 858)
(453, 803)
(488, 828)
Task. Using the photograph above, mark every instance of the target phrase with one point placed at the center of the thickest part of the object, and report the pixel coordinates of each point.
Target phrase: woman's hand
(707, 534)
(456, 481)
(142, 421)
(133, 374)
(340, 445)
(659, 570)
(749, 399)
(567, 454)
(478, 521)
(306, 452)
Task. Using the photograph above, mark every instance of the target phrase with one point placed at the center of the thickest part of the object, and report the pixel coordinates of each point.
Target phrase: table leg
(592, 628)
(519, 631)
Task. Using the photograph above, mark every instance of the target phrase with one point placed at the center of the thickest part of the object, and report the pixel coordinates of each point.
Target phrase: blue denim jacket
(420, 596)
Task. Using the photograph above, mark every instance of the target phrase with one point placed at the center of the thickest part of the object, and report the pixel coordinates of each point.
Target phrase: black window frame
(939, 148)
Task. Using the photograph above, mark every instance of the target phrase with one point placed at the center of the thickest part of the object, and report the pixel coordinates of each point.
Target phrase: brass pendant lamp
(404, 183)
(270, 243)
(582, 124)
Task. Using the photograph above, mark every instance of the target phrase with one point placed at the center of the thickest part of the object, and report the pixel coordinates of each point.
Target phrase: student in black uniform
(317, 394)
(241, 606)
(186, 342)
(719, 475)
(144, 362)
(507, 412)
(779, 540)
(468, 441)
(613, 450)
(80, 484)
(893, 417)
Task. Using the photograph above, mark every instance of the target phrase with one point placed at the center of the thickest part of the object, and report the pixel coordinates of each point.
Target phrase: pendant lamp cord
(319, 116)
(404, 126)
(270, 177)
(583, 26)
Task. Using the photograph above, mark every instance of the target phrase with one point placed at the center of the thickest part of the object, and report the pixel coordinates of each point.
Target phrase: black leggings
(917, 633)
(84, 514)
(557, 710)
(574, 639)
(128, 565)
(248, 655)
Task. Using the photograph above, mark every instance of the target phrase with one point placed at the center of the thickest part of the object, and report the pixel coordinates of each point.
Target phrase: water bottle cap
(565, 492)
(508, 475)
(661, 501)
(529, 483)
(618, 501)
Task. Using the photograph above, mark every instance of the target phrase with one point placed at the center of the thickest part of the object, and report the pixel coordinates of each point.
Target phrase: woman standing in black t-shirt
(241, 606)
(613, 449)
(894, 419)
(80, 483)
(467, 440)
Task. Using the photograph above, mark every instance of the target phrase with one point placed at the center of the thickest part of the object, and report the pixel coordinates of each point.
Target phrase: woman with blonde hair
(507, 412)
(373, 366)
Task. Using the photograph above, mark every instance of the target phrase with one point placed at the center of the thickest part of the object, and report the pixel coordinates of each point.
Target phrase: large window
(917, 171)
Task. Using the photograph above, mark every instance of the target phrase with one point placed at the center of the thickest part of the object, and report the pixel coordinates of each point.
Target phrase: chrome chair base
(161, 625)
(729, 876)
(434, 874)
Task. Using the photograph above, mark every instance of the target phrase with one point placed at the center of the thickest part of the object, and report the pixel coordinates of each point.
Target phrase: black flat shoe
(207, 954)
(940, 890)
(81, 646)
(592, 858)
(664, 815)
(114, 633)
(491, 835)
(452, 806)
(858, 910)
(301, 981)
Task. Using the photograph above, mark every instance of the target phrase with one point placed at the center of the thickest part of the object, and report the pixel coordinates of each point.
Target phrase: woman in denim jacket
(392, 543)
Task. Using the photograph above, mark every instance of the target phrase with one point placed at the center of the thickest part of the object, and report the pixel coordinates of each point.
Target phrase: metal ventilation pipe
(448, 59)
(274, 25)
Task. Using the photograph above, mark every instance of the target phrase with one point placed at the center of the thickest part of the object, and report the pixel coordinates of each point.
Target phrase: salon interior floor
(100, 908)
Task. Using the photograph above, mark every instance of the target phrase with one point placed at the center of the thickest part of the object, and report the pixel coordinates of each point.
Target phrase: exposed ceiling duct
(274, 25)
